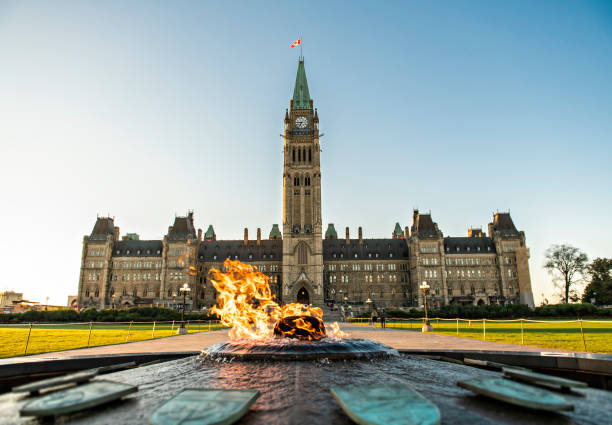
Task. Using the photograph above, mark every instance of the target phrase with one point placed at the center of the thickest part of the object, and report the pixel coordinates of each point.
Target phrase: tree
(600, 286)
(566, 262)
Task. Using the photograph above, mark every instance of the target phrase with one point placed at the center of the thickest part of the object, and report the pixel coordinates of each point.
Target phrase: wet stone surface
(298, 392)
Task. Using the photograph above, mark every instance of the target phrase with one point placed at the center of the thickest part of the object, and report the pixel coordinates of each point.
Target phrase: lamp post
(174, 301)
(113, 301)
(426, 327)
(184, 290)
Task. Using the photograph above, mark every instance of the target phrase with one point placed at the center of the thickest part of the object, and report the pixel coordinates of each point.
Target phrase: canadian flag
(297, 42)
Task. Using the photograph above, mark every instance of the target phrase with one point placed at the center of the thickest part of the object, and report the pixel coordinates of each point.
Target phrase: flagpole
(301, 49)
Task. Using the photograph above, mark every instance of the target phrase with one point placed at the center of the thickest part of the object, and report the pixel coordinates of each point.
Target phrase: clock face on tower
(301, 122)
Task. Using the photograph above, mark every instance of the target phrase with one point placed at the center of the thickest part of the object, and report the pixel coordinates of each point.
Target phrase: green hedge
(145, 314)
(500, 311)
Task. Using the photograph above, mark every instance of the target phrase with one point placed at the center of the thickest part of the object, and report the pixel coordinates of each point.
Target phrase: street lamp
(426, 326)
(174, 301)
(184, 290)
(113, 301)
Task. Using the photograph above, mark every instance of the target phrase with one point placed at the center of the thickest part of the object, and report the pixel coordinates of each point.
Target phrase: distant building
(73, 302)
(7, 300)
(303, 264)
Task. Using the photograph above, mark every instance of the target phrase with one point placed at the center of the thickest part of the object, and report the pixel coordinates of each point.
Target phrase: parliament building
(303, 263)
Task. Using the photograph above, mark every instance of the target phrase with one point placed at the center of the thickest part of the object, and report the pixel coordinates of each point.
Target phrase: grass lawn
(555, 334)
(58, 337)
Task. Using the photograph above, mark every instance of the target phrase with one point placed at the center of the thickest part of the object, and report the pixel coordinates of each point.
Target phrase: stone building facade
(303, 264)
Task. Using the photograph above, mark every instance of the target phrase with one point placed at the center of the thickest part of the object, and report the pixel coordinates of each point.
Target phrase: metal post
(457, 326)
(209, 326)
(582, 333)
(172, 330)
(187, 327)
(522, 337)
(27, 340)
(153, 333)
(89, 337)
(129, 329)
(484, 329)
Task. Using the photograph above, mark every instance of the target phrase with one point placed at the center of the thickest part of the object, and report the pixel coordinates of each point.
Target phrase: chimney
(199, 235)
(348, 240)
(360, 236)
(246, 236)
(117, 233)
(406, 232)
(258, 236)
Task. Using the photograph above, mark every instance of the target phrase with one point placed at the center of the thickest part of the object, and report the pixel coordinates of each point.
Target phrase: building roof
(398, 232)
(369, 249)
(423, 225)
(462, 245)
(331, 233)
(267, 250)
(182, 229)
(502, 222)
(137, 248)
(104, 226)
(301, 95)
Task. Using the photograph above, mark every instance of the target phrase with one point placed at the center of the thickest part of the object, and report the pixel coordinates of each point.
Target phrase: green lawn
(58, 337)
(554, 334)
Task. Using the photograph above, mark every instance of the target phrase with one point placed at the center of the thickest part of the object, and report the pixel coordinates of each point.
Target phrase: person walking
(374, 317)
(383, 318)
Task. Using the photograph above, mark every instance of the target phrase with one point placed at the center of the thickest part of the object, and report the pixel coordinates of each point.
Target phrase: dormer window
(138, 252)
(117, 252)
(250, 256)
(215, 257)
(355, 255)
(334, 255)
(457, 249)
(148, 251)
(468, 249)
(158, 251)
(127, 252)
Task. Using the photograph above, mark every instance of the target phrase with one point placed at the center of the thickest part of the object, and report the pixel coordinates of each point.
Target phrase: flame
(246, 304)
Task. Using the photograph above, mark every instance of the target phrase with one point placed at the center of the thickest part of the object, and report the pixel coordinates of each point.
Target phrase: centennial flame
(246, 304)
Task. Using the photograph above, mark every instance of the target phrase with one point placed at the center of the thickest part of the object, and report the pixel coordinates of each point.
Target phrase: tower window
(299, 155)
(309, 155)
(293, 154)
(302, 254)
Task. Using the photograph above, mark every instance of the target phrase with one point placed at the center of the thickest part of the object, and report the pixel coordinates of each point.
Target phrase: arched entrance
(303, 297)
(480, 302)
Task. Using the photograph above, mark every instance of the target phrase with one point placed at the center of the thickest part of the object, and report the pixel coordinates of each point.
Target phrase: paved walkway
(396, 338)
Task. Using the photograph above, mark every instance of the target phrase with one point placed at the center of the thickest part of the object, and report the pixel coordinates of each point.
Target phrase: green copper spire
(301, 96)
(275, 233)
(397, 232)
(331, 232)
(210, 234)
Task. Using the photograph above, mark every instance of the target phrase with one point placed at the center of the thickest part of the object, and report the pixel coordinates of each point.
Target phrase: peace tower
(302, 223)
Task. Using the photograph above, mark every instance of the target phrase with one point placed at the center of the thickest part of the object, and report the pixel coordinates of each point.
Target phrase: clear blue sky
(147, 109)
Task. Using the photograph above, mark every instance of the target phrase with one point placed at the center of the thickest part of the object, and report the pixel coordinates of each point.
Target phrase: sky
(144, 110)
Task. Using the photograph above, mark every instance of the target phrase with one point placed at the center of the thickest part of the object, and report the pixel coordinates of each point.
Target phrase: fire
(246, 304)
